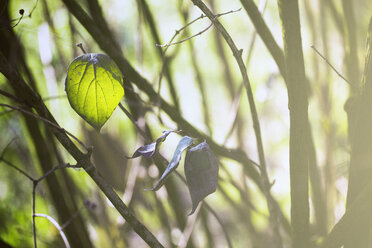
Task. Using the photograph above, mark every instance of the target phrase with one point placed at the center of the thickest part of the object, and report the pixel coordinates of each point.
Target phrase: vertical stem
(199, 79)
(273, 208)
(265, 34)
(329, 170)
(317, 192)
(34, 183)
(351, 42)
(167, 68)
(361, 157)
(298, 104)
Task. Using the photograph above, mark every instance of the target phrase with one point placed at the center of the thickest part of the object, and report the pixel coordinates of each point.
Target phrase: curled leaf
(94, 87)
(183, 144)
(201, 170)
(149, 150)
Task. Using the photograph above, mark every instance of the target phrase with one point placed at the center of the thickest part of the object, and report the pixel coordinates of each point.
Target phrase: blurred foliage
(203, 70)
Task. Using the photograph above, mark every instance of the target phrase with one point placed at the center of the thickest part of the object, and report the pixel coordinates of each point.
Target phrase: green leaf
(183, 144)
(149, 150)
(94, 87)
(201, 170)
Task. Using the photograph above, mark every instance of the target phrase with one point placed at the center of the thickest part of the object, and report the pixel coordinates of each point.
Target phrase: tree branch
(82, 159)
(274, 212)
(299, 124)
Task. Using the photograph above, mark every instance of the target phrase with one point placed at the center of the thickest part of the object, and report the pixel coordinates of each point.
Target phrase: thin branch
(273, 208)
(53, 97)
(261, 9)
(333, 68)
(188, 38)
(47, 122)
(34, 184)
(129, 115)
(87, 204)
(60, 166)
(208, 207)
(200, 80)
(21, 12)
(234, 109)
(16, 168)
(55, 223)
(82, 158)
(265, 34)
(201, 32)
(134, 77)
(166, 68)
(6, 147)
(187, 231)
(10, 96)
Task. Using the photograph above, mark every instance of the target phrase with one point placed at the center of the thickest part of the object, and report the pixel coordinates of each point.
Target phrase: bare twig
(193, 36)
(16, 168)
(188, 38)
(185, 237)
(47, 122)
(333, 68)
(35, 182)
(273, 208)
(211, 210)
(21, 12)
(33, 213)
(60, 166)
(261, 9)
(129, 115)
(55, 223)
(229, 244)
(234, 109)
(10, 96)
(82, 158)
(6, 147)
(53, 97)
(76, 214)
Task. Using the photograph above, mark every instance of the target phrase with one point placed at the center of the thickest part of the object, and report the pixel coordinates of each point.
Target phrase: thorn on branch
(239, 53)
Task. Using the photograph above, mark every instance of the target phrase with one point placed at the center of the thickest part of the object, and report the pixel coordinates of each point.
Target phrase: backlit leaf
(94, 87)
(201, 170)
(183, 144)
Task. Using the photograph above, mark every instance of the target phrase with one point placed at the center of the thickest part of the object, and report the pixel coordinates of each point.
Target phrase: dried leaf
(201, 170)
(184, 143)
(149, 150)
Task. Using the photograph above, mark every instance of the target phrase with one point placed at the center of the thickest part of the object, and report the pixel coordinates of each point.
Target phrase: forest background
(280, 90)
